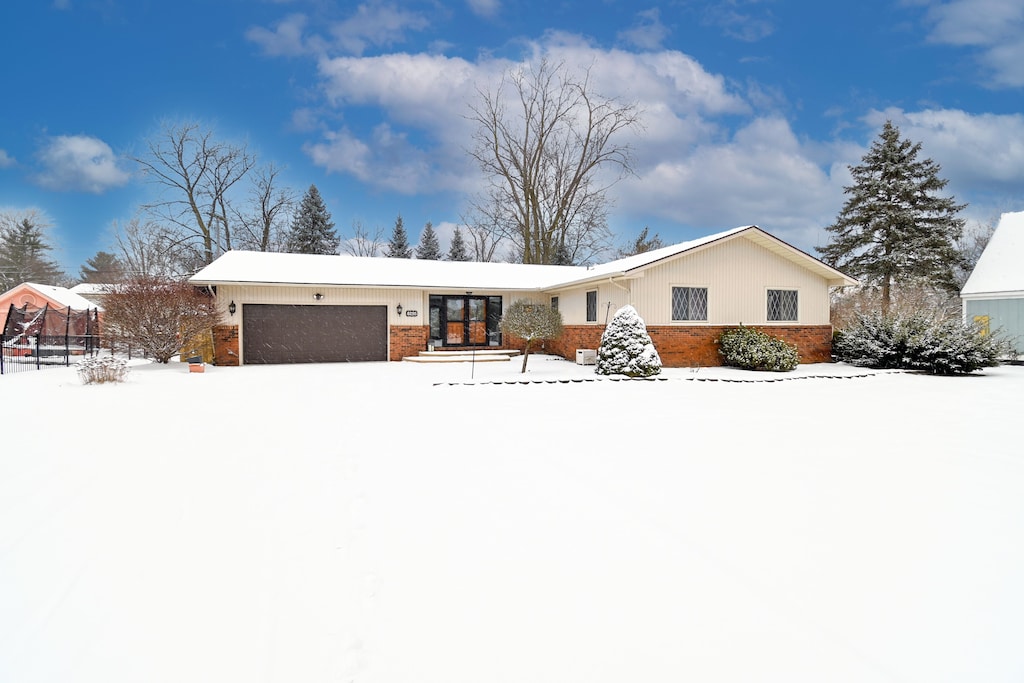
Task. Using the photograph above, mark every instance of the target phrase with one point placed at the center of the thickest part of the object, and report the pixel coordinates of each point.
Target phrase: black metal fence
(34, 339)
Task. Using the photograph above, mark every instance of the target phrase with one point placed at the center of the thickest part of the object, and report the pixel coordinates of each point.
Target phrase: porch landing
(463, 356)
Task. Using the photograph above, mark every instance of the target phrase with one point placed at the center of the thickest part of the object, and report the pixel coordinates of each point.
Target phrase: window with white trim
(689, 303)
(592, 306)
(782, 305)
(554, 303)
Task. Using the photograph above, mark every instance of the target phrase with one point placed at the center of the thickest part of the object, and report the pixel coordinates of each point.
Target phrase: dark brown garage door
(314, 334)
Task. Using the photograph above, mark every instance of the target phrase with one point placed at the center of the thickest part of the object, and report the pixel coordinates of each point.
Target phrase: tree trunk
(526, 354)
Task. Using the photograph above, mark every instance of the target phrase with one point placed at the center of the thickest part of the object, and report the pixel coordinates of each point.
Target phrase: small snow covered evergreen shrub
(936, 345)
(626, 348)
(101, 370)
(750, 349)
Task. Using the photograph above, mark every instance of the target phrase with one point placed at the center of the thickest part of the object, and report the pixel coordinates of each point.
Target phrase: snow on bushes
(934, 344)
(626, 348)
(750, 349)
(101, 370)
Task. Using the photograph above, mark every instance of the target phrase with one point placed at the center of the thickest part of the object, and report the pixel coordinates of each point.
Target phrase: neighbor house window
(554, 303)
(592, 306)
(782, 305)
(689, 303)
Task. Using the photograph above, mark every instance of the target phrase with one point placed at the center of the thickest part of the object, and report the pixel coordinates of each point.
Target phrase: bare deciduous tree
(147, 249)
(548, 146)
(196, 173)
(158, 315)
(270, 205)
(362, 242)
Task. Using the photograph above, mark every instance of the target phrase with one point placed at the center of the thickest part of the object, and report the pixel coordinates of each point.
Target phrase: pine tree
(24, 254)
(457, 250)
(641, 245)
(428, 249)
(312, 230)
(626, 347)
(398, 245)
(894, 228)
(103, 268)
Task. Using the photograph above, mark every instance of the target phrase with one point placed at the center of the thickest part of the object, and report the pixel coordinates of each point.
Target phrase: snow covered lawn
(400, 523)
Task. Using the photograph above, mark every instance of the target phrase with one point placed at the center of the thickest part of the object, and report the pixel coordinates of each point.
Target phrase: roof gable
(1001, 265)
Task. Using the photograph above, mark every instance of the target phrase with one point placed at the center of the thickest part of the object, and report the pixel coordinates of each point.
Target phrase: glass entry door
(465, 320)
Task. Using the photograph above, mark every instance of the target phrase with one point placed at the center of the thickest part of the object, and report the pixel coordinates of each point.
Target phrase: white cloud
(372, 24)
(427, 97)
(648, 33)
(762, 175)
(81, 163)
(977, 152)
(736, 20)
(376, 24)
(6, 160)
(286, 39)
(484, 8)
(992, 26)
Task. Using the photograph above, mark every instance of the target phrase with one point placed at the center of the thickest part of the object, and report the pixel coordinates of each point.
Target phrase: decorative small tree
(531, 322)
(626, 348)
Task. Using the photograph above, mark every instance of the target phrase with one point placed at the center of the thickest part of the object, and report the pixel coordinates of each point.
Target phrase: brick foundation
(407, 340)
(683, 347)
(225, 345)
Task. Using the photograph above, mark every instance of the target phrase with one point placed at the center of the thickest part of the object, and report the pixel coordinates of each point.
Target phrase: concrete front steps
(463, 356)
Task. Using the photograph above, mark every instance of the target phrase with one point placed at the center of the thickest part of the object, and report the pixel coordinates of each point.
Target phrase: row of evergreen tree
(312, 232)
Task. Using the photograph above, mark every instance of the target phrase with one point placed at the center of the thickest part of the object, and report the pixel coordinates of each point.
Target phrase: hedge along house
(289, 308)
(993, 296)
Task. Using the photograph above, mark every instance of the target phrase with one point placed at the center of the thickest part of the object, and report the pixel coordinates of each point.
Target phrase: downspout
(608, 308)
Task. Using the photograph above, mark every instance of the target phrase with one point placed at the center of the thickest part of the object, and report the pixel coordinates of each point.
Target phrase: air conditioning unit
(586, 357)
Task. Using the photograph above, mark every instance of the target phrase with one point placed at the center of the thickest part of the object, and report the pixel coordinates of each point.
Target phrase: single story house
(290, 308)
(993, 296)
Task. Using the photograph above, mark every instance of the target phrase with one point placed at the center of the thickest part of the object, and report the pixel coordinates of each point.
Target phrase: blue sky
(753, 109)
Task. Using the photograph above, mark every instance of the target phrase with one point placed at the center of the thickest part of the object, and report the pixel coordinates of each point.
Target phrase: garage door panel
(274, 333)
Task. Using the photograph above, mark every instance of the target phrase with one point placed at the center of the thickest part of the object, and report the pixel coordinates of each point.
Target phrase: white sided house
(300, 308)
(993, 296)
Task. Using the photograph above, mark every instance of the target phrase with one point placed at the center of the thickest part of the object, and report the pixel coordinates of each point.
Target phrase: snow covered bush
(750, 349)
(101, 370)
(626, 348)
(935, 344)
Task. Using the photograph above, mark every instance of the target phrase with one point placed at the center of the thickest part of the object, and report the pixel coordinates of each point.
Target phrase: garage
(273, 333)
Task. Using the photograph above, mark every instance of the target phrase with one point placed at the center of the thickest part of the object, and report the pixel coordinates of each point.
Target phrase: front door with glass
(465, 320)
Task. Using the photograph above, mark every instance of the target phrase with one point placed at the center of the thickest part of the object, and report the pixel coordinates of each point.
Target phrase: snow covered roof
(248, 267)
(1001, 266)
(61, 295)
(252, 267)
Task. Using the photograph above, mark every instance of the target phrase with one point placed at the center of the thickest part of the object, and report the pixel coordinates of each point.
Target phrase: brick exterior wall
(408, 340)
(225, 345)
(683, 347)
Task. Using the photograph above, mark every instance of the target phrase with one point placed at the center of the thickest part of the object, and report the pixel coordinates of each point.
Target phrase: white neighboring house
(93, 292)
(993, 296)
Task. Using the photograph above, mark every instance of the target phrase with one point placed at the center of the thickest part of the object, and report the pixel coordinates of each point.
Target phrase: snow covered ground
(400, 523)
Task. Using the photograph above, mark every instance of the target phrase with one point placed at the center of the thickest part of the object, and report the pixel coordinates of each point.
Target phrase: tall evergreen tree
(894, 228)
(103, 268)
(398, 246)
(312, 230)
(24, 254)
(429, 248)
(457, 249)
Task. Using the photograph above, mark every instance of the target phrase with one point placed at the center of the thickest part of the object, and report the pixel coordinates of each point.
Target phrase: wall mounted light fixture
(399, 309)
(318, 296)
(232, 308)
